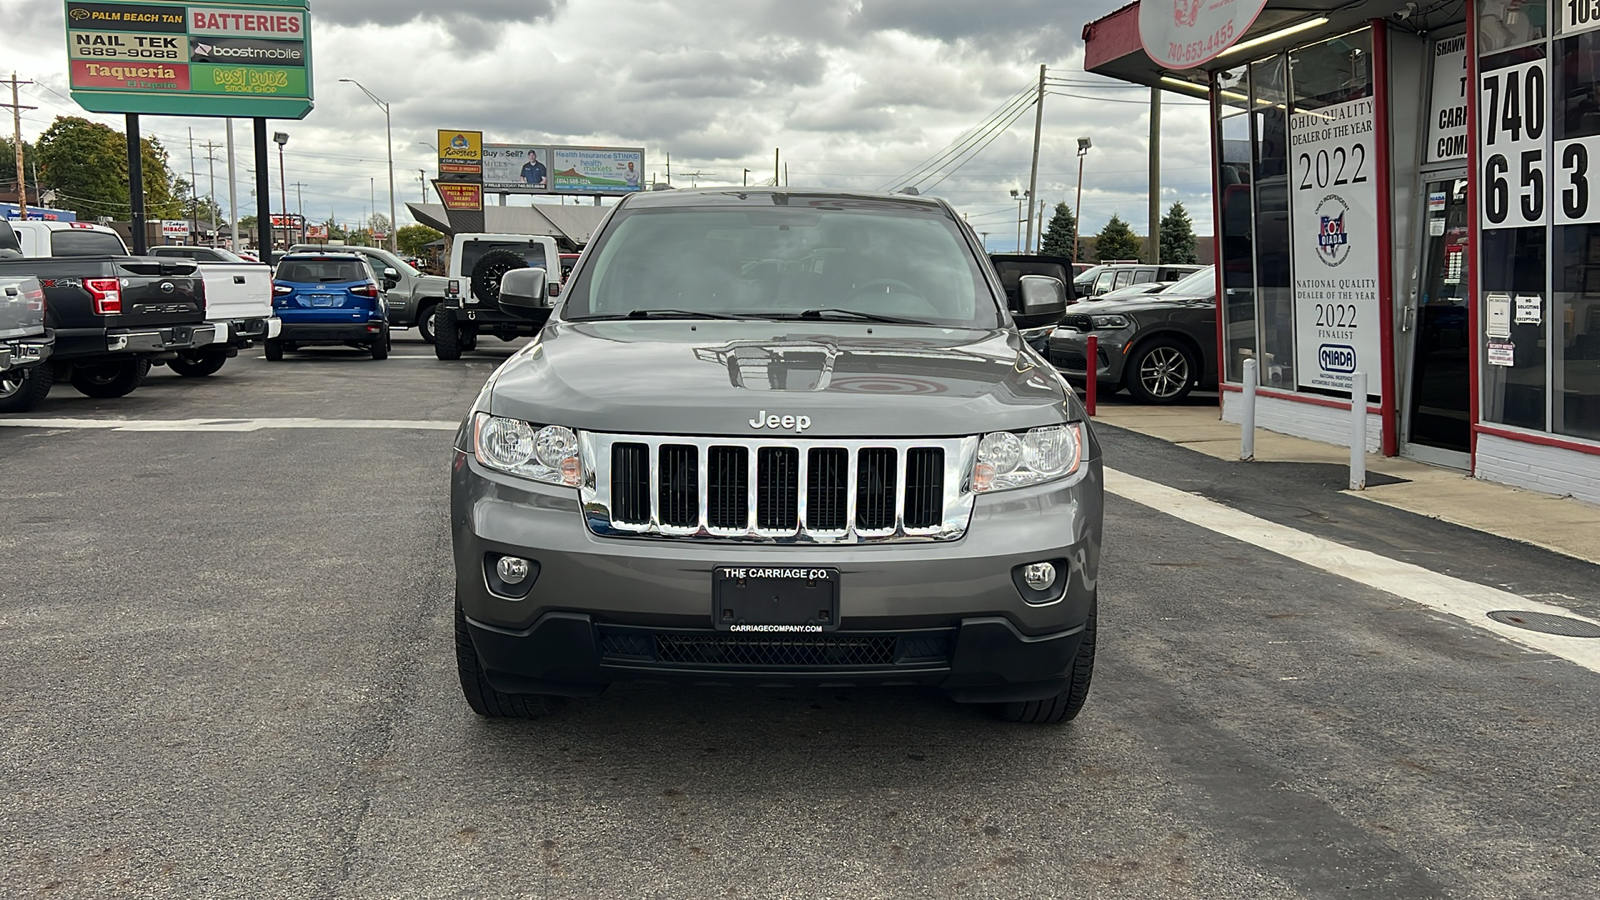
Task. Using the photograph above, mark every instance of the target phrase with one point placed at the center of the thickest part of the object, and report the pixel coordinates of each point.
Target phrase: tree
(86, 163)
(1116, 241)
(412, 238)
(335, 233)
(1177, 236)
(1058, 235)
(8, 163)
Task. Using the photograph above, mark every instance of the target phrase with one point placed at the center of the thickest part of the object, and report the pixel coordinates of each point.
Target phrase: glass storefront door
(1437, 426)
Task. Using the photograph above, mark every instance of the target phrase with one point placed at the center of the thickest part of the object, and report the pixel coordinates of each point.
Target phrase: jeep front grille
(782, 491)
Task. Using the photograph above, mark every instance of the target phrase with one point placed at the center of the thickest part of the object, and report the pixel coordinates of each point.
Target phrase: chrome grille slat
(898, 489)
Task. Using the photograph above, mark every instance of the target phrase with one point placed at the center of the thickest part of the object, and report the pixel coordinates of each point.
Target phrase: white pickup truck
(238, 302)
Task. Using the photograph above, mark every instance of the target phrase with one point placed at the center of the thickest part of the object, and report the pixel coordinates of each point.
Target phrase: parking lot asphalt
(229, 672)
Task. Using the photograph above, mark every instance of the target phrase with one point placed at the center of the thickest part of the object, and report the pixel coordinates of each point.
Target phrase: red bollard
(1092, 371)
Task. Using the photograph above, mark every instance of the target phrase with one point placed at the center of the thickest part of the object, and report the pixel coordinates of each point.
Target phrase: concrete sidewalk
(1561, 524)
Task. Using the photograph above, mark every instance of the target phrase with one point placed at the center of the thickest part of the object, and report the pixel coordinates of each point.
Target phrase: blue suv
(328, 298)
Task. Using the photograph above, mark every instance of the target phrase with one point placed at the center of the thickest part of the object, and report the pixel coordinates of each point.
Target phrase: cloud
(474, 25)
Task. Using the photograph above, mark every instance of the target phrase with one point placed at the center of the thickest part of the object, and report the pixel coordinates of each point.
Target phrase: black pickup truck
(113, 315)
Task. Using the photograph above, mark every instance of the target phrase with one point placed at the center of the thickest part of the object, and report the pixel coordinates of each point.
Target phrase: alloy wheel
(1164, 372)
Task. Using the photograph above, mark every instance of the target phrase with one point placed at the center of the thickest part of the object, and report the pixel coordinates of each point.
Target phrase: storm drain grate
(1566, 626)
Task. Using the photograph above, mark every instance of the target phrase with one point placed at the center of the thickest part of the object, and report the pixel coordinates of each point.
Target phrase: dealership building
(1406, 190)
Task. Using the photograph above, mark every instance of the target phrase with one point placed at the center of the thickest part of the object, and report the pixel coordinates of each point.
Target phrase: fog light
(512, 569)
(1039, 576)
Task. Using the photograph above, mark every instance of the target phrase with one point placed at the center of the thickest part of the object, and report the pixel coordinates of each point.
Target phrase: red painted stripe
(1380, 115)
(1533, 437)
(1475, 250)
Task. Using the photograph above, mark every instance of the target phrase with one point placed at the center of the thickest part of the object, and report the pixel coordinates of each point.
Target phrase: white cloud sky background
(855, 92)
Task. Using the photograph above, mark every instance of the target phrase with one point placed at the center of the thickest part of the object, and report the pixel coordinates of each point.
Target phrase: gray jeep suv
(781, 438)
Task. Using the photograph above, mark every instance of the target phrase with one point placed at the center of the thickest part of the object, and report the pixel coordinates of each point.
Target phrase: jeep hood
(716, 377)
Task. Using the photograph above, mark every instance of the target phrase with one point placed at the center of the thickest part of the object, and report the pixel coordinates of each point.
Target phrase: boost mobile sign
(1334, 202)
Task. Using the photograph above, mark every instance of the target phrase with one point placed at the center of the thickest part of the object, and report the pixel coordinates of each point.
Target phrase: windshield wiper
(837, 313)
(675, 314)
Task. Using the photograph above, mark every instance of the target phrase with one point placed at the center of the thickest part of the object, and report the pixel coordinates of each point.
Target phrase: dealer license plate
(775, 599)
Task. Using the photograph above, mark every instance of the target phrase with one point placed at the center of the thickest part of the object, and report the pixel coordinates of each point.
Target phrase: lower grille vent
(746, 650)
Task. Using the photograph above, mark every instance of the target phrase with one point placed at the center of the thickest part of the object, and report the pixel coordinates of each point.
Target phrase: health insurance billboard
(596, 170)
(199, 58)
(543, 169)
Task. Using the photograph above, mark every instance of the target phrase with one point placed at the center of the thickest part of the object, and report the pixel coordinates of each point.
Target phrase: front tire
(199, 365)
(23, 389)
(447, 335)
(1162, 371)
(1064, 706)
(426, 323)
(480, 695)
(108, 381)
(274, 350)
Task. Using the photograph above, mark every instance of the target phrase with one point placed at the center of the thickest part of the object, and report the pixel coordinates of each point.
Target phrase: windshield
(1195, 284)
(783, 262)
(321, 271)
(86, 243)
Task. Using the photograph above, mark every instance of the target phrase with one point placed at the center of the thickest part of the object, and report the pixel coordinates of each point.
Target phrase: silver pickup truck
(25, 344)
(779, 438)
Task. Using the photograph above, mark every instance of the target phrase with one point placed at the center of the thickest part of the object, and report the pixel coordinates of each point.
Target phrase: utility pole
(746, 177)
(1033, 173)
(422, 176)
(16, 124)
(194, 195)
(1155, 176)
(233, 197)
(775, 166)
(211, 164)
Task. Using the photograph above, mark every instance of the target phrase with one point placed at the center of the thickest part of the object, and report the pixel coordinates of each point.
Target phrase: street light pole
(280, 138)
(1077, 213)
(1022, 197)
(388, 129)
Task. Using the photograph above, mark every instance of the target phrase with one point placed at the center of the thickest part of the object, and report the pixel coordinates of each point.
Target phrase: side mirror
(523, 292)
(1043, 300)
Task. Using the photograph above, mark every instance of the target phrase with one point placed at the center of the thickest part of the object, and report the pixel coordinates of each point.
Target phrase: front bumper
(948, 614)
(1069, 352)
(18, 352)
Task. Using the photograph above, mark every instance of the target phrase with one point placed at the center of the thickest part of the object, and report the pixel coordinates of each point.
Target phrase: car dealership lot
(229, 673)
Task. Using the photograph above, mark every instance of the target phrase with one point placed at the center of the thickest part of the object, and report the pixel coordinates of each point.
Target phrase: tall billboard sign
(460, 181)
(544, 169)
(197, 58)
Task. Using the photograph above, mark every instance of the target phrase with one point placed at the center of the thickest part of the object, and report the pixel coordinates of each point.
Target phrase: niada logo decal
(1337, 358)
(792, 423)
(1333, 241)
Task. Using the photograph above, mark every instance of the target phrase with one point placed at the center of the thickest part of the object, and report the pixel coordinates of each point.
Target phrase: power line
(1001, 111)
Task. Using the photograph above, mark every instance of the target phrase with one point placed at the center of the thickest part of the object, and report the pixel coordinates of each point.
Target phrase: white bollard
(1247, 420)
(1358, 432)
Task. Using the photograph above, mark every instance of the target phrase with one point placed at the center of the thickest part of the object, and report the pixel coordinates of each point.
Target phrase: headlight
(1110, 322)
(1016, 459)
(548, 454)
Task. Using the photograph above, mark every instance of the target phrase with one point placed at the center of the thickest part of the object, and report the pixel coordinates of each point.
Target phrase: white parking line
(226, 424)
(1464, 600)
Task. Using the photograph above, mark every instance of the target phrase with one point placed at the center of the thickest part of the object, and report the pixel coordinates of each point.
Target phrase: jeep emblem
(793, 423)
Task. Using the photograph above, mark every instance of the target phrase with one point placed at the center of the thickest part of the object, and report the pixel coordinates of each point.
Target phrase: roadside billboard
(199, 58)
(516, 168)
(596, 170)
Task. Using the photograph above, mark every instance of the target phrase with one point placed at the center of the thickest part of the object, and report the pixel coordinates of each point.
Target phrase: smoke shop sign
(199, 58)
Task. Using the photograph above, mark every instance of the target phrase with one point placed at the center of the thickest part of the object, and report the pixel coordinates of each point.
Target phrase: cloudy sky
(855, 92)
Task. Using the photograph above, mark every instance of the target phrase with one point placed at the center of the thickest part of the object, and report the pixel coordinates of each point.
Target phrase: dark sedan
(1159, 346)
